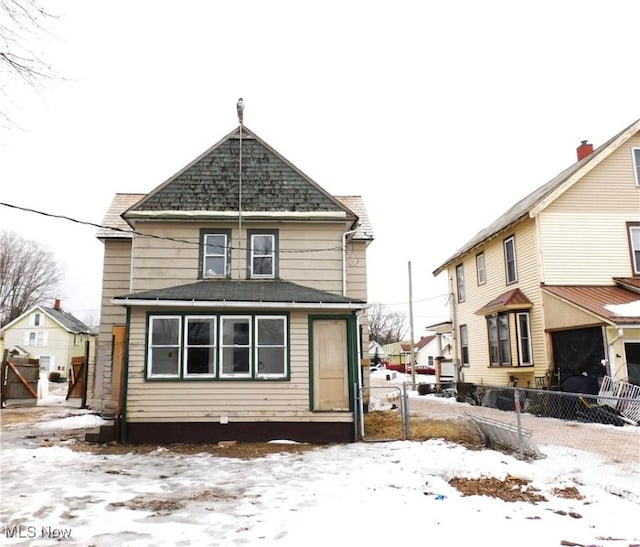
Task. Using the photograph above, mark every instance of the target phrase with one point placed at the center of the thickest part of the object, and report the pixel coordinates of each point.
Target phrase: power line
(141, 234)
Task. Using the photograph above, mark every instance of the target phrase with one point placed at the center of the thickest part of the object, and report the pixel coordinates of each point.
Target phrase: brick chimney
(57, 305)
(584, 149)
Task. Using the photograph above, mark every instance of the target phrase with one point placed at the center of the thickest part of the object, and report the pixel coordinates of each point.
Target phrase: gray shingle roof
(527, 204)
(225, 290)
(211, 183)
(68, 321)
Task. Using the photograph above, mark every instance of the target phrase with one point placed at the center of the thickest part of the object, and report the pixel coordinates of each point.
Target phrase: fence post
(3, 374)
(516, 408)
(405, 411)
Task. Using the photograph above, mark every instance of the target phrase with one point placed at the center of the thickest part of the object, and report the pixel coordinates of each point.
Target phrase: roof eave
(225, 304)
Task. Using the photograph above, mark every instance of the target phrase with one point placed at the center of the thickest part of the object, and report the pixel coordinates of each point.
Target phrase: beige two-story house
(551, 288)
(233, 303)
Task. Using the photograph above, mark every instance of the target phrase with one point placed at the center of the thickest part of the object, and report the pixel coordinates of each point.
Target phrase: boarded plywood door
(119, 346)
(330, 364)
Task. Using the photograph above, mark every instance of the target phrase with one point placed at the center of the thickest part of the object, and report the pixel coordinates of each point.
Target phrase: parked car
(421, 369)
(379, 366)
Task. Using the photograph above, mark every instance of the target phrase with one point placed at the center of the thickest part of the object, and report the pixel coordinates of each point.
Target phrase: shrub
(54, 376)
(424, 389)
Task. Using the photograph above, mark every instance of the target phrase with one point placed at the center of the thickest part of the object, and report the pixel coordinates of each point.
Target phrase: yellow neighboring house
(51, 335)
(551, 288)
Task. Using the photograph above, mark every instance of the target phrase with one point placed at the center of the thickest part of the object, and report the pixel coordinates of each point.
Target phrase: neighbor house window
(524, 338)
(634, 246)
(215, 253)
(217, 347)
(36, 339)
(460, 281)
(499, 344)
(480, 269)
(200, 346)
(37, 319)
(636, 164)
(164, 347)
(262, 254)
(271, 346)
(510, 260)
(464, 344)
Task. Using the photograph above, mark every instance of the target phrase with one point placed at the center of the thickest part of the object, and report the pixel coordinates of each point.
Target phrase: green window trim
(252, 338)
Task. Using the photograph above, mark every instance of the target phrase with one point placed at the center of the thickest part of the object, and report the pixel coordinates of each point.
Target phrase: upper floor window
(464, 344)
(634, 246)
(215, 253)
(480, 269)
(36, 339)
(263, 254)
(460, 282)
(511, 270)
(636, 164)
(37, 319)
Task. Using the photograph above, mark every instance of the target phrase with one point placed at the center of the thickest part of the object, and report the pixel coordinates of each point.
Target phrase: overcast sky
(440, 114)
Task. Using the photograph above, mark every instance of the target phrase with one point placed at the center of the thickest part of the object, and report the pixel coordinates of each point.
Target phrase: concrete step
(102, 434)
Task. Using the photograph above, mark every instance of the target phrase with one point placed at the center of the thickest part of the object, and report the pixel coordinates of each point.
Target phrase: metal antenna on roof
(240, 109)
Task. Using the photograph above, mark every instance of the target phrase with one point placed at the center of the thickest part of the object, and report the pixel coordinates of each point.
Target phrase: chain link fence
(523, 421)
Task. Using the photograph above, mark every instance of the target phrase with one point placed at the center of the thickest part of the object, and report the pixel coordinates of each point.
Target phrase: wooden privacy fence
(19, 380)
(76, 377)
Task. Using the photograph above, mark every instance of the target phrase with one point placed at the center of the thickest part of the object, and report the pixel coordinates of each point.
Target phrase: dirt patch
(239, 450)
(510, 489)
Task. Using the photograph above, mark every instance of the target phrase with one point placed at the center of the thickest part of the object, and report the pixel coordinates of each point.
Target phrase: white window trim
(520, 339)
(40, 317)
(460, 286)
(223, 254)
(482, 280)
(634, 263)
(635, 156)
(212, 347)
(150, 373)
(285, 364)
(272, 255)
(222, 347)
(512, 241)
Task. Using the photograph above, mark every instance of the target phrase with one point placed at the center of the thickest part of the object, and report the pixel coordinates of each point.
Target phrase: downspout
(344, 260)
(360, 411)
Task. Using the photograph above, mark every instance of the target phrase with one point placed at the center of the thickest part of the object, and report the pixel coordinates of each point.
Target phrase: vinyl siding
(309, 255)
(477, 296)
(115, 281)
(174, 401)
(583, 232)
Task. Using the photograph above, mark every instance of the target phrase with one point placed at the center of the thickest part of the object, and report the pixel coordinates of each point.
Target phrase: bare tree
(385, 327)
(22, 23)
(29, 275)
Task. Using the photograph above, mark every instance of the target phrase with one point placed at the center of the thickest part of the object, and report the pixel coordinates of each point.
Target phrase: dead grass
(387, 425)
(510, 489)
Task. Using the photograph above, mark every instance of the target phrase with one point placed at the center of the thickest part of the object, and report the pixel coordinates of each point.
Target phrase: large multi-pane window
(500, 351)
(634, 245)
(36, 338)
(460, 282)
(217, 346)
(511, 270)
(499, 343)
(215, 253)
(262, 254)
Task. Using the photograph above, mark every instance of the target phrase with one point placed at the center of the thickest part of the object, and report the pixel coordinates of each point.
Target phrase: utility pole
(413, 364)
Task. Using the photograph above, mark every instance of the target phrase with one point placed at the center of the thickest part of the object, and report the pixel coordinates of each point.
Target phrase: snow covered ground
(369, 494)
